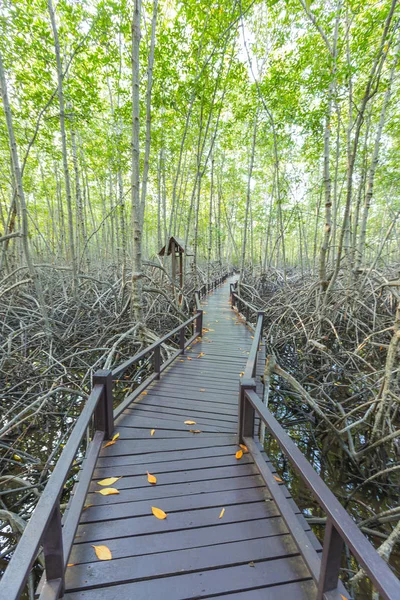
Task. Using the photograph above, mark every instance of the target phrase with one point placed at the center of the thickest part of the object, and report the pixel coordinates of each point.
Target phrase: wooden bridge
(232, 529)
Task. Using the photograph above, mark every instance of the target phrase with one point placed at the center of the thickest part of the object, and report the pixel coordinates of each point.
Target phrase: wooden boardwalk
(232, 530)
(193, 553)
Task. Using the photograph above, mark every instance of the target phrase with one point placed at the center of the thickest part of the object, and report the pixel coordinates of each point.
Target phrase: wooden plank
(203, 583)
(91, 532)
(201, 401)
(180, 540)
(143, 433)
(171, 466)
(219, 473)
(135, 419)
(176, 390)
(178, 489)
(206, 452)
(131, 447)
(137, 508)
(299, 590)
(211, 413)
(167, 563)
(179, 417)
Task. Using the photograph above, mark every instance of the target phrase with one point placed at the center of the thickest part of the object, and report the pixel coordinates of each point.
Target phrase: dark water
(334, 467)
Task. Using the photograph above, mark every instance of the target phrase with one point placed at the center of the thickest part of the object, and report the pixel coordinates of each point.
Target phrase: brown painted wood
(203, 583)
(192, 553)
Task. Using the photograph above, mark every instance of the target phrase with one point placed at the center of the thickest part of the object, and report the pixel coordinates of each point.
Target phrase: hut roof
(179, 243)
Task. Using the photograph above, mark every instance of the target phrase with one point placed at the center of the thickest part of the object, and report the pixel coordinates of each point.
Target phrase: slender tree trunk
(375, 159)
(74, 265)
(327, 173)
(248, 197)
(137, 274)
(148, 111)
(71, 240)
(210, 223)
(21, 198)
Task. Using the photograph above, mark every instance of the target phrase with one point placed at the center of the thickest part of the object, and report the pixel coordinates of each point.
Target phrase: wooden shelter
(176, 248)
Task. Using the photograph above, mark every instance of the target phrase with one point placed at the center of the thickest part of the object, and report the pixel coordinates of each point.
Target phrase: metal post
(182, 340)
(103, 416)
(53, 550)
(245, 411)
(157, 361)
(331, 560)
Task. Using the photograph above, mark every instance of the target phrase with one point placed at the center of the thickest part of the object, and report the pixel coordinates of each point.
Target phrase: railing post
(103, 415)
(233, 300)
(199, 323)
(245, 411)
(330, 561)
(53, 550)
(182, 340)
(157, 361)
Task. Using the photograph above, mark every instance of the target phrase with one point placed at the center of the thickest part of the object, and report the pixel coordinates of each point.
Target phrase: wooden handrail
(120, 370)
(238, 303)
(46, 527)
(340, 526)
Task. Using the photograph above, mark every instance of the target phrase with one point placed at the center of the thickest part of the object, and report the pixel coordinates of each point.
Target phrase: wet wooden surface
(248, 553)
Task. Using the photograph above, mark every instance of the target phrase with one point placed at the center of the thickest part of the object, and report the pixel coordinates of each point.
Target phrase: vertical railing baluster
(53, 550)
(103, 415)
(157, 361)
(245, 411)
(330, 561)
(182, 340)
(199, 323)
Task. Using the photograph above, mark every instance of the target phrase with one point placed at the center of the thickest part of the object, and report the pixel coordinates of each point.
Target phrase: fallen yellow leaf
(244, 448)
(181, 360)
(102, 552)
(110, 443)
(239, 454)
(87, 506)
(194, 431)
(343, 597)
(189, 358)
(151, 478)
(115, 437)
(152, 432)
(221, 514)
(190, 422)
(202, 389)
(70, 564)
(143, 393)
(108, 481)
(241, 374)
(278, 479)
(157, 512)
(16, 457)
(107, 491)
(200, 355)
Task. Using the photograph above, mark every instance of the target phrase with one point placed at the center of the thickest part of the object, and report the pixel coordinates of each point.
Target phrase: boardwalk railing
(46, 527)
(340, 527)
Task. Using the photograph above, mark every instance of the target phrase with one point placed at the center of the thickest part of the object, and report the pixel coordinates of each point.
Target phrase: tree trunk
(137, 300)
(21, 197)
(71, 240)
